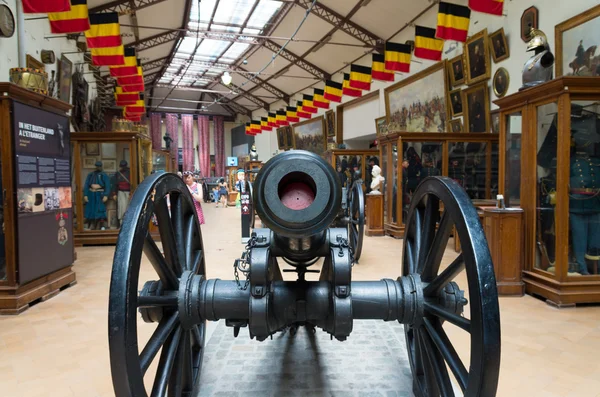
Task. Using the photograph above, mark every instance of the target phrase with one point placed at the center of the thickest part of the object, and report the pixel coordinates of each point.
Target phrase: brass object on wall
(122, 125)
(48, 57)
(32, 79)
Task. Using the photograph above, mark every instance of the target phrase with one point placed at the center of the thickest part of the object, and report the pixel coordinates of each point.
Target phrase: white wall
(551, 13)
(36, 32)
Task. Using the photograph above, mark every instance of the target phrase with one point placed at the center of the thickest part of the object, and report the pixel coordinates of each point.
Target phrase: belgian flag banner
(45, 6)
(138, 108)
(397, 57)
(453, 22)
(494, 7)
(360, 77)
(290, 113)
(249, 130)
(76, 20)
(264, 124)
(131, 65)
(255, 127)
(426, 45)
(333, 91)
(108, 56)
(104, 30)
(301, 112)
(124, 99)
(319, 99)
(281, 118)
(347, 90)
(378, 70)
(272, 118)
(307, 104)
(131, 80)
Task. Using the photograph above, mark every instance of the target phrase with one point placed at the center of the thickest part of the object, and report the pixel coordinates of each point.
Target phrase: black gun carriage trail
(297, 196)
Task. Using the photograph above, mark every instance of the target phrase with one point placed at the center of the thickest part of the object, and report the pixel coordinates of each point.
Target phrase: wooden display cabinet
(231, 178)
(408, 157)
(35, 204)
(252, 168)
(351, 160)
(110, 148)
(550, 167)
(161, 161)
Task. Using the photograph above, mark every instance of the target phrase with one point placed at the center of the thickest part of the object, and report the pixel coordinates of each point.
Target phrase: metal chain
(243, 264)
(344, 244)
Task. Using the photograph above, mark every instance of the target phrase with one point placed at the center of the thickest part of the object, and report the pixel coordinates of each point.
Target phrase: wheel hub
(152, 314)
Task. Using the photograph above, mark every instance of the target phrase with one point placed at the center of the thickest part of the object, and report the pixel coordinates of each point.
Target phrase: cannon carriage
(297, 196)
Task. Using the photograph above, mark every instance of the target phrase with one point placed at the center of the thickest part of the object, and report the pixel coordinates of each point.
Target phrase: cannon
(297, 195)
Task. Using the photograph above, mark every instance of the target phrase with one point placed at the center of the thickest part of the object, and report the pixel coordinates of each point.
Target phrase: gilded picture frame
(429, 85)
(380, 125)
(578, 31)
(477, 58)
(455, 103)
(311, 135)
(500, 82)
(499, 46)
(476, 108)
(455, 126)
(456, 70)
(330, 122)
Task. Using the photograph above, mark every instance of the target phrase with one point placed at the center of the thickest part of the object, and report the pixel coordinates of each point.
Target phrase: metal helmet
(537, 39)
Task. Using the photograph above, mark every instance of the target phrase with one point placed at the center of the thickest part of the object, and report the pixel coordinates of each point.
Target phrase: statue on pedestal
(253, 153)
(168, 140)
(377, 180)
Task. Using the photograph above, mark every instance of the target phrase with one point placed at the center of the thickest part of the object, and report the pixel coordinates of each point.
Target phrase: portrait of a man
(499, 45)
(477, 66)
(477, 109)
(478, 58)
(501, 82)
(456, 103)
(457, 72)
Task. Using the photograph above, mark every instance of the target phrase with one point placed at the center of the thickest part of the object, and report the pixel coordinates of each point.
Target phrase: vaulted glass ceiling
(199, 61)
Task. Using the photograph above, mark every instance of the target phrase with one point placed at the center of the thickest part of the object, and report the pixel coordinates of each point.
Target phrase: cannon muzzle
(297, 194)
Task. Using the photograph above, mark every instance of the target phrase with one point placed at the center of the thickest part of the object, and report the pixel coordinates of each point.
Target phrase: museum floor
(59, 348)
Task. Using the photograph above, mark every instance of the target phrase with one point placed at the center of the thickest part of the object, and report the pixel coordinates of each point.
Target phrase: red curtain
(187, 128)
(155, 131)
(204, 145)
(173, 130)
(219, 145)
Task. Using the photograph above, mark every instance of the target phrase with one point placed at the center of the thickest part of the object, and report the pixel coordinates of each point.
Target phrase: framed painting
(476, 108)
(456, 104)
(92, 149)
(477, 59)
(418, 103)
(499, 46)
(109, 165)
(288, 136)
(495, 120)
(455, 126)
(65, 74)
(281, 138)
(578, 45)
(89, 162)
(330, 122)
(109, 150)
(380, 126)
(310, 135)
(500, 82)
(456, 69)
(33, 63)
(529, 19)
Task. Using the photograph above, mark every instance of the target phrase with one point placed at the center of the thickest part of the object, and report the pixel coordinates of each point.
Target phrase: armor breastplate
(534, 72)
(253, 156)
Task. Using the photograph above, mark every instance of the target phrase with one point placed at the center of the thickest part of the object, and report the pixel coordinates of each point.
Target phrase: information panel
(44, 199)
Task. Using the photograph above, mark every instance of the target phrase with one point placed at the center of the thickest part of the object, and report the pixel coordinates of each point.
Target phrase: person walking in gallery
(222, 193)
(196, 192)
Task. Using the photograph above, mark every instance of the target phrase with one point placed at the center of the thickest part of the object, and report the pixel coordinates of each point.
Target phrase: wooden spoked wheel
(356, 219)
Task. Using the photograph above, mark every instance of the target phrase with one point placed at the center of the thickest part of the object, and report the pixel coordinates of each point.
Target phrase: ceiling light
(226, 78)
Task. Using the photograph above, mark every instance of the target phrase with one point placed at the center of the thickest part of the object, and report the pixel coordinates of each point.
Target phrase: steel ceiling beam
(156, 40)
(271, 88)
(154, 64)
(297, 60)
(234, 105)
(343, 23)
(124, 6)
(250, 97)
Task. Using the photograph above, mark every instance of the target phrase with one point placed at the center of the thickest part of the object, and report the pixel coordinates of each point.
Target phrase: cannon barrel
(297, 195)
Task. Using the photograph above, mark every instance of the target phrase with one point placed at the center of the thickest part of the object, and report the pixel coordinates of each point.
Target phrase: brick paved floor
(371, 362)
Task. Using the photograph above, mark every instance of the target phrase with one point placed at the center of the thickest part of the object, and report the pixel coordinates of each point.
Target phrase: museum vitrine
(354, 164)
(409, 157)
(551, 134)
(108, 168)
(36, 234)
(161, 161)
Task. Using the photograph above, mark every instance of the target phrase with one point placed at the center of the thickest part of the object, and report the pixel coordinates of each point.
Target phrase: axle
(300, 302)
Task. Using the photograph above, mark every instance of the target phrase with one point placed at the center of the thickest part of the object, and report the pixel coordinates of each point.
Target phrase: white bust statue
(377, 180)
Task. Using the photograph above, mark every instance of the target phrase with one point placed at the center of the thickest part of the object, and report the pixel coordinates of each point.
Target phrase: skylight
(191, 64)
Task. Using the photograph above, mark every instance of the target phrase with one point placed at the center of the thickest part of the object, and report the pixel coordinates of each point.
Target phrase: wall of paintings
(496, 55)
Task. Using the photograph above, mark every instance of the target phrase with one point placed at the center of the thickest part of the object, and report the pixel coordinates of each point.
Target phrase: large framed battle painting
(311, 135)
(418, 103)
(578, 45)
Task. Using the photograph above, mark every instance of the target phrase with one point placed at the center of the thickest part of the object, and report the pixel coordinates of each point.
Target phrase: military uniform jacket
(584, 193)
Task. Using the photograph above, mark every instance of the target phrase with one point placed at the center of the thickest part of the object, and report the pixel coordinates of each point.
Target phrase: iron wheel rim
(356, 219)
(182, 244)
(427, 341)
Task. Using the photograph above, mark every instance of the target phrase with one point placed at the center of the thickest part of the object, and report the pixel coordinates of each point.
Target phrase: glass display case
(470, 159)
(108, 166)
(551, 133)
(354, 164)
(161, 161)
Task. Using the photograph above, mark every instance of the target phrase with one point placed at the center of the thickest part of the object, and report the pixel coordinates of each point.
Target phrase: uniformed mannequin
(121, 187)
(584, 196)
(538, 69)
(95, 195)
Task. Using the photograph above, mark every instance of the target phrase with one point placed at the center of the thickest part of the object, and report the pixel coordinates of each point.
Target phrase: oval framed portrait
(500, 82)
